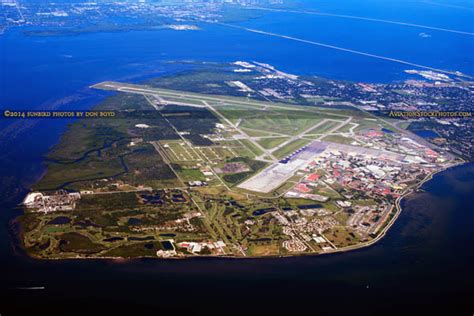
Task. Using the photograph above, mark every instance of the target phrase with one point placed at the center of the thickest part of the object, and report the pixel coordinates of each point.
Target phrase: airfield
(285, 136)
(178, 174)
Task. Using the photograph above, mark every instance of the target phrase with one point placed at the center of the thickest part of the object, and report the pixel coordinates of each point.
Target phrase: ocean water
(444, 50)
(423, 264)
(425, 261)
(38, 70)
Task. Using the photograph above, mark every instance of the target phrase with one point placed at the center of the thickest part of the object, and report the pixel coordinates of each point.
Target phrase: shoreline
(367, 244)
(399, 209)
(391, 219)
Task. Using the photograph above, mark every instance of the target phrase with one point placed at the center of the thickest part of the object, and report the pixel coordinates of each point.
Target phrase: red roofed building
(431, 153)
(313, 177)
(301, 187)
(373, 133)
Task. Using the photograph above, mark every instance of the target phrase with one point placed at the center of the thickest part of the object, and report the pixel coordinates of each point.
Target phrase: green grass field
(323, 128)
(256, 133)
(289, 148)
(339, 139)
(254, 149)
(269, 143)
(180, 151)
(289, 123)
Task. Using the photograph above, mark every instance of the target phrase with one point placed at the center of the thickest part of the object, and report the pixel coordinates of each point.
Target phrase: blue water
(385, 130)
(426, 133)
(442, 50)
(425, 261)
(424, 264)
(35, 70)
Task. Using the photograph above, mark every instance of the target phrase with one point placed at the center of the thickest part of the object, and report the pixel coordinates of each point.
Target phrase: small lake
(60, 220)
(263, 211)
(426, 133)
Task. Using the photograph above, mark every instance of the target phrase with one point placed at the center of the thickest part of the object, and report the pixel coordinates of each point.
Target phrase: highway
(347, 50)
(354, 17)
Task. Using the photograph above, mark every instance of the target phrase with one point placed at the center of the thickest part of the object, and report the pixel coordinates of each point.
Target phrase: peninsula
(238, 171)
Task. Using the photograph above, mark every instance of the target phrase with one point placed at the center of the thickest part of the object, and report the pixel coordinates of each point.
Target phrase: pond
(152, 199)
(263, 211)
(168, 235)
(178, 198)
(426, 133)
(60, 220)
(309, 206)
(112, 239)
(134, 221)
(141, 238)
(167, 245)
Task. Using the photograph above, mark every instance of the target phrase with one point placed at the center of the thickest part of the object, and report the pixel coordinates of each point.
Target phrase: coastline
(417, 258)
(391, 217)
(367, 244)
(399, 210)
(377, 272)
